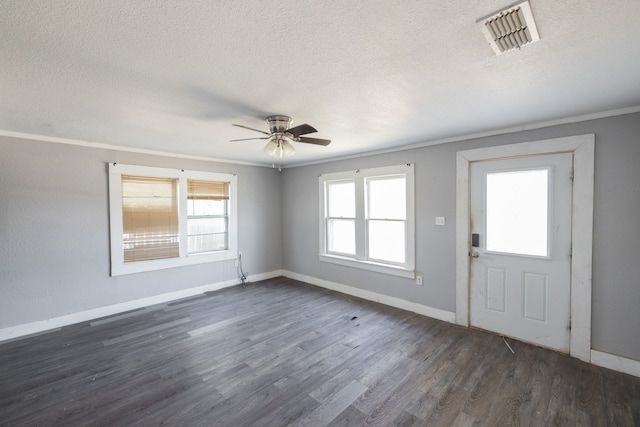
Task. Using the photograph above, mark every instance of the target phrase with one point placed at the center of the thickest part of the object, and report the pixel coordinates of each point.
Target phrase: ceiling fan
(280, 136)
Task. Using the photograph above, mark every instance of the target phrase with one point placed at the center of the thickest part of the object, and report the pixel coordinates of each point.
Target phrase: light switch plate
(441, 220)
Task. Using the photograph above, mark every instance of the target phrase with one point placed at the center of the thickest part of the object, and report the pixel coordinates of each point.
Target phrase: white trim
(103, 146)
(583, 149)
(39, 326)
(617, 363)
(435, 313)
(465, 137)
(119, 267)
(463, 266)
(361, 259)
(368, 265)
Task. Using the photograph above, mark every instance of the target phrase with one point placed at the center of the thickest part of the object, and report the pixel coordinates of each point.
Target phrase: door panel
(497, 289)
(520, 271)
(535, 296)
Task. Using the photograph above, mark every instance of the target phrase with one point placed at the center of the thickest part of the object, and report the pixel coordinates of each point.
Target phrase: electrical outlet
(419, 280)
(237, 263)
(441, 220)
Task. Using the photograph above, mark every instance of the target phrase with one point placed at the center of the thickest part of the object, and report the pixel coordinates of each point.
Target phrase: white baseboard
(18, 331)
(616, 363)
(424, 310)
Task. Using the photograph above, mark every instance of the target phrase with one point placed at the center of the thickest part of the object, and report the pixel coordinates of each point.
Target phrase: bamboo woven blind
(207, 190)
(149, 218)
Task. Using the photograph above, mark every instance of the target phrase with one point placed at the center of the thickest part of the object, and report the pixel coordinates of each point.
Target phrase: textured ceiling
(173, 76)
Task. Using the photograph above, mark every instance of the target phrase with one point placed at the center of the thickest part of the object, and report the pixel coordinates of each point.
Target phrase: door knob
(474, 254)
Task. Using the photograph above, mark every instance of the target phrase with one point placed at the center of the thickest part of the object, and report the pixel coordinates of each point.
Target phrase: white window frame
(224, 216)
(119, 267)
(328, 219)
(360, 260)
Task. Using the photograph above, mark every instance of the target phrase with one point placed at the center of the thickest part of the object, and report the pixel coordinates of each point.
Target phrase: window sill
(122, 268)
(368, 265)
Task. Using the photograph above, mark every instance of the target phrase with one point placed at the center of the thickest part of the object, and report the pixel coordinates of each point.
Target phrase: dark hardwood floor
(281, 352)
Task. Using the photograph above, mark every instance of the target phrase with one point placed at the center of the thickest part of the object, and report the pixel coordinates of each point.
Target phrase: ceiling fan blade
(316, 141)
(247, 139)
(257, 130)
(301, 130)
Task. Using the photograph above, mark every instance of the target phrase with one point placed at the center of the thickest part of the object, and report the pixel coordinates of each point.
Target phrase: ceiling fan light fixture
(281, 136)
(271, 147)
(287, 148)
(279, 148)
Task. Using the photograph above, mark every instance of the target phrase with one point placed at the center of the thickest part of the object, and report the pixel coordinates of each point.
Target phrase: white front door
(520, 277)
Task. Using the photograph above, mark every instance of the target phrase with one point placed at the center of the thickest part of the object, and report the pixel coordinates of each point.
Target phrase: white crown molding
(100, 145)
(269, 164)
(503, 131)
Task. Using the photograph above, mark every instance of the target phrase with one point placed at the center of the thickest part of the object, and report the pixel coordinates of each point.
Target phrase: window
(367, 219)
(163, 218)
(341, 217)
(207, 215)
(386, 218)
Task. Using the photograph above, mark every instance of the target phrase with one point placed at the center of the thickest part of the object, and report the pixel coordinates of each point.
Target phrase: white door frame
(583, 149)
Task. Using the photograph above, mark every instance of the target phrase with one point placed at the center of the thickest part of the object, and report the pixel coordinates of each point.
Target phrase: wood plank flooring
(285, 353)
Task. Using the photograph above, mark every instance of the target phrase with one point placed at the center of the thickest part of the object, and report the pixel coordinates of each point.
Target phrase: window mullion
(360, 221)
(226, 227)
(182, 215)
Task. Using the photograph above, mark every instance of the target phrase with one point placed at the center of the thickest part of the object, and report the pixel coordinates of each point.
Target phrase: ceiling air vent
(511, 28)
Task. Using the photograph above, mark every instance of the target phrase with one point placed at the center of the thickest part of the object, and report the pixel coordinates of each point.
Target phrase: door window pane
(387, 241)
(517, 212)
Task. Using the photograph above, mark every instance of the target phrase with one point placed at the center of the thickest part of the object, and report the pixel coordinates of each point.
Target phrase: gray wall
(54, 228)
(616, 246)
(54, 256)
